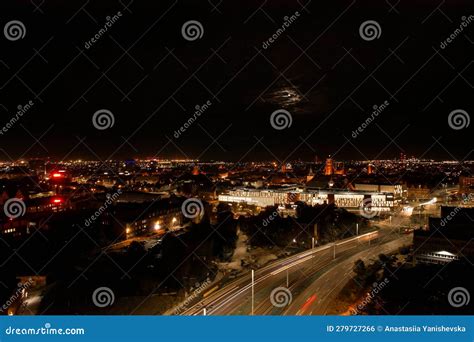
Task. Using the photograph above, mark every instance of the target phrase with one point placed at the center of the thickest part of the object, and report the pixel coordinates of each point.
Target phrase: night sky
(320, 70)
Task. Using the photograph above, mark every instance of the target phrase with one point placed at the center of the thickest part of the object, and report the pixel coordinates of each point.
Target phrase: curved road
(313, 276)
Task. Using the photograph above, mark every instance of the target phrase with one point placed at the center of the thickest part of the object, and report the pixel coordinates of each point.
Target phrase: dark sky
(320, 70)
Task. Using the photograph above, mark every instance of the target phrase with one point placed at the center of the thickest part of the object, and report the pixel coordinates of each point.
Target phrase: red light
(57, 175)
(57, 200)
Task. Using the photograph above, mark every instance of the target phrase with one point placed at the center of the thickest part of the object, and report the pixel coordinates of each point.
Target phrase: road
(299, 272)
(317, 298)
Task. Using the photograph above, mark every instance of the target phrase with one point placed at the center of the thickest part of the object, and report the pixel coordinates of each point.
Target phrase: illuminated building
(144, 218)
(396, 189)
(328, 169)
(449, 237)
(310, 175)
(370, 169)
(466, 184)
(339, 169)
(341, 198)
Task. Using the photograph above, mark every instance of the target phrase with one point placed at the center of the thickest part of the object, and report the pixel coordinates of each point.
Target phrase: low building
(341, 198)
(419, 193)
(144, 218)
(449, 237)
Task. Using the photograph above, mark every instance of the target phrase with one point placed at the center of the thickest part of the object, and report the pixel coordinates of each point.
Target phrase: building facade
(341, 198)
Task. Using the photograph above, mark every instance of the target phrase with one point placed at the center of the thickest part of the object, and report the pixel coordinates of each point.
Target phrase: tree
(359, 269)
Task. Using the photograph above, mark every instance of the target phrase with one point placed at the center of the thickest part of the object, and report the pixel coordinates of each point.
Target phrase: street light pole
(253, 292)
(312, 242)
(357, 229)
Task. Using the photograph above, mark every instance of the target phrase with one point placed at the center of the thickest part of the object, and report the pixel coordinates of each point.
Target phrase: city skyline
(236, 158)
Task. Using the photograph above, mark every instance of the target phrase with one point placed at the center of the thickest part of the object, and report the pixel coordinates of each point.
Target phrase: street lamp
(253, 290)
